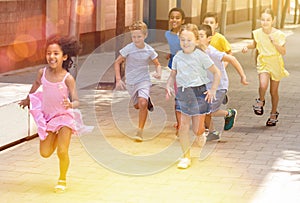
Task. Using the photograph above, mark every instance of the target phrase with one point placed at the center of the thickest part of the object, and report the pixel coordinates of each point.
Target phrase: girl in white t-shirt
(189, 69)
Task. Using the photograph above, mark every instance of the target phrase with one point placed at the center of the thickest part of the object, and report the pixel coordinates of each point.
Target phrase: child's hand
(120, 85)
(210, 95)
(244, 50)
(244, 80)
(157, 75)
(271, 38)
(66, 103)
(169, 92)
(25, 102)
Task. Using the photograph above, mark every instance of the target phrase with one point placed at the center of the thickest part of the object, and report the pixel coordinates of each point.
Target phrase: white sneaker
(139, 136)
(184, 163)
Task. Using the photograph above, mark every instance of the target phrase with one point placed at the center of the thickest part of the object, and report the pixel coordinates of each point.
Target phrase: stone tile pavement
(253, 163)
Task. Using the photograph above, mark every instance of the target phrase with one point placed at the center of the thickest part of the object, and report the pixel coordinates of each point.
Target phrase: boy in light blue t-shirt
(137, 55)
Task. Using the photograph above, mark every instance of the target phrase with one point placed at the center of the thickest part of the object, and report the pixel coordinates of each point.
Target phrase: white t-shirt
(191, 68)
(217, 57)
(137, 62)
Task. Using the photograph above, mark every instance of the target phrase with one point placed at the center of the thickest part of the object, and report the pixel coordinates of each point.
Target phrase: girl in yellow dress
(270, 44)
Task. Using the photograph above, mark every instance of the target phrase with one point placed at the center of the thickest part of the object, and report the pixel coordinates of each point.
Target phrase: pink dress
(49, 113)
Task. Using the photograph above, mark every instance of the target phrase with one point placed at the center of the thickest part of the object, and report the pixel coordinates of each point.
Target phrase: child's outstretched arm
(170, 82)
(35, 85)
(249, 46)
(236, 64)
(211, 93)
(119, 83)
(157, 74)
(71, 84)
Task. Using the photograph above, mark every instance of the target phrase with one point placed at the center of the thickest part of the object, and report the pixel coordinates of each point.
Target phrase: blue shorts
(216, 103)
(191, 101)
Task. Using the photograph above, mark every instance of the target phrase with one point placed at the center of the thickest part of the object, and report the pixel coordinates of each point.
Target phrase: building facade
(26, 24)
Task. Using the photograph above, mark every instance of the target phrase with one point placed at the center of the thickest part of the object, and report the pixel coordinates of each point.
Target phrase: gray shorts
(216, 104)
(141, 89)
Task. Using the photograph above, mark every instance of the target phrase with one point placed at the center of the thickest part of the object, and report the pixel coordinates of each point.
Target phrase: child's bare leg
(198, 124)
(274, 85)
(63, 143)
(184, 135)
(264, 79)
(48, 146)
(143, 111)
(178, 122)
(199, 128)
(208, 123)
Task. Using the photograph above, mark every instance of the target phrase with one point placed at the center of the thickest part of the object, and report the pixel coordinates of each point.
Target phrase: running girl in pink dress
(53, 107)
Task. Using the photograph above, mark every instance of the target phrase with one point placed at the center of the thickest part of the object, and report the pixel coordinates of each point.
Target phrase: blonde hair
(139, 25)
(190, 27)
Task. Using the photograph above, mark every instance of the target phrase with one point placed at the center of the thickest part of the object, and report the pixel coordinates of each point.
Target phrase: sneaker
(214, 135)
(225, 100)
(138, 137)
(229, 119)
(184, 163)
(150, 105)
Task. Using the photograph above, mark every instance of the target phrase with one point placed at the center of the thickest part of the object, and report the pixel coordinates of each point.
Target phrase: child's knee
(200, 130)
(62, 153)
(45, 153)
(143, 103)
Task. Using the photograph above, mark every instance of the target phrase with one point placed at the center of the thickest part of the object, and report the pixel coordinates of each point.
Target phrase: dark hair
(178, 10)
(69, 45)
(211, 15)
(269, 11)
(206, 28)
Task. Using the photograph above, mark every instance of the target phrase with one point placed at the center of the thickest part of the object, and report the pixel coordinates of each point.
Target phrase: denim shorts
(191, 101)
(216, 103)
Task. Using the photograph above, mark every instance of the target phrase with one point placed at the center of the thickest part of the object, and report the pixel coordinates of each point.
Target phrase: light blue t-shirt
(137, 62)
(191, 68)
(217, 57)
(173, 41)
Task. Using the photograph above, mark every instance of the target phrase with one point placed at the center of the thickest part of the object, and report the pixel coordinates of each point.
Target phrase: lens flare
(24, 46)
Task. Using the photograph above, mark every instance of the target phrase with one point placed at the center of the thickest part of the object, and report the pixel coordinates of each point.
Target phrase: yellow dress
(220, 43)
(269, 60)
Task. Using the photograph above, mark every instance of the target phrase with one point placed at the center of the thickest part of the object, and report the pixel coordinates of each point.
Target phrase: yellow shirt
(220, 43)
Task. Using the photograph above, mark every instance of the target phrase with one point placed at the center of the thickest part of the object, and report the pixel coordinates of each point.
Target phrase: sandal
(271, 121)
(258, 110)
(60, 187)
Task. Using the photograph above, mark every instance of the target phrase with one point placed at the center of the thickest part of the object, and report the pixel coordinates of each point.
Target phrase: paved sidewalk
(253, 163)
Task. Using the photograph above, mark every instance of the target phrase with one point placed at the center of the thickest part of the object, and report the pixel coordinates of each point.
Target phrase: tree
(223, 16)
(285, 8)
(203, 10)
(254, 11)
(120, 29)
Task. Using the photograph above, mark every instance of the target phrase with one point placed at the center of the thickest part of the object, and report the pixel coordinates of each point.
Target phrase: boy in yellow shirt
(218, 40)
